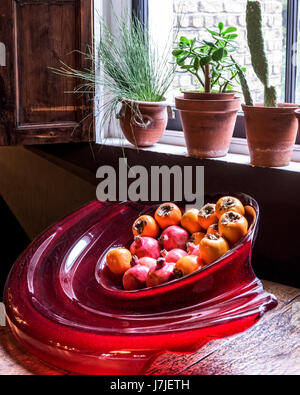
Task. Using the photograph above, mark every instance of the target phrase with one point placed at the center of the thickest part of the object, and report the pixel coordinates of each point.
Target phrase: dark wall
(35, 193)
(38, 191)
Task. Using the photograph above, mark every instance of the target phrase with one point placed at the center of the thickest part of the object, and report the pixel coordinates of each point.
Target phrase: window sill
(172, 143)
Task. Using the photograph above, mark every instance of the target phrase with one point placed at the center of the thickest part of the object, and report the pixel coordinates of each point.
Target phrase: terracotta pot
(208, 123)
(143, 123)
(271, 133)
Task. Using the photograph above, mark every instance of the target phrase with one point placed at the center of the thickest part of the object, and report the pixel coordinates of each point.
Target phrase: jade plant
(258, 56)
(210, 61)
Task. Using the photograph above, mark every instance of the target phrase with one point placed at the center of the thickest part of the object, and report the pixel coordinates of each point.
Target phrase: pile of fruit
(172, 245)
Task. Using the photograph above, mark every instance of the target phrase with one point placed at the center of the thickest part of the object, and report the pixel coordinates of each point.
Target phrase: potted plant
(133, 77)
(271, 128)
(209, 112)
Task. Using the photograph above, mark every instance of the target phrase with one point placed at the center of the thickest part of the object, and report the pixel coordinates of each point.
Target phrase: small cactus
(257, 49)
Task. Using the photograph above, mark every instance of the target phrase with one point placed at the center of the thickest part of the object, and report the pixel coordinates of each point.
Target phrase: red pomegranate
(174, 255)
(135, 277)
(161, 275)
(145, 247)
(174, 237)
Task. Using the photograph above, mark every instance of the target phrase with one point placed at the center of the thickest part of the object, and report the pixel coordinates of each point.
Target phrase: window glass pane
(192, 17)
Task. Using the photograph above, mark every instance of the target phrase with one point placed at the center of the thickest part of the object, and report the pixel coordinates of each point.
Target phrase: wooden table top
(270, 347)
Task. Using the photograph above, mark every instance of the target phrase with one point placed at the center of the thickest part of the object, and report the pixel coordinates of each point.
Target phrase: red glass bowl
(65, 308)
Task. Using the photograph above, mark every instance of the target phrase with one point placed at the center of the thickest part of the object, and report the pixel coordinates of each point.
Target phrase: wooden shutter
(34, 105)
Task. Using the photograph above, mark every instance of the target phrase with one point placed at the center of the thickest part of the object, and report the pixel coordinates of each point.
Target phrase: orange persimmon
(145, 226)
(233, 226)
(187, 265)
(168, 214)
(196, 237)
(213, 229)
(118, 260)
(189, 220)
(229, 203)
(212, 247)
(207, 215)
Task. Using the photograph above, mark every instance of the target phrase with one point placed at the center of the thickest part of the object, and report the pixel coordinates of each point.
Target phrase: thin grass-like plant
(127, 66)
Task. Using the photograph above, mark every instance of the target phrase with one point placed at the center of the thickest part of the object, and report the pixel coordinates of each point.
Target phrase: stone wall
(193, 17)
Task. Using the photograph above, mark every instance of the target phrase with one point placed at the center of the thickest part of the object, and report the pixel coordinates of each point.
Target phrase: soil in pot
(143, 123)
(208, 122)
(271, 133)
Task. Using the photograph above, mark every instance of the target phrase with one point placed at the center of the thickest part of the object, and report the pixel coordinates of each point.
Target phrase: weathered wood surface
(270, 347)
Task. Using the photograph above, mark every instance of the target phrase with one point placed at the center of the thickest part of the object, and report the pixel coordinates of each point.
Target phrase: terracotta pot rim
(208, 93)
(282, 107)
(207, 106)
(181, 98)
(163, 103)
